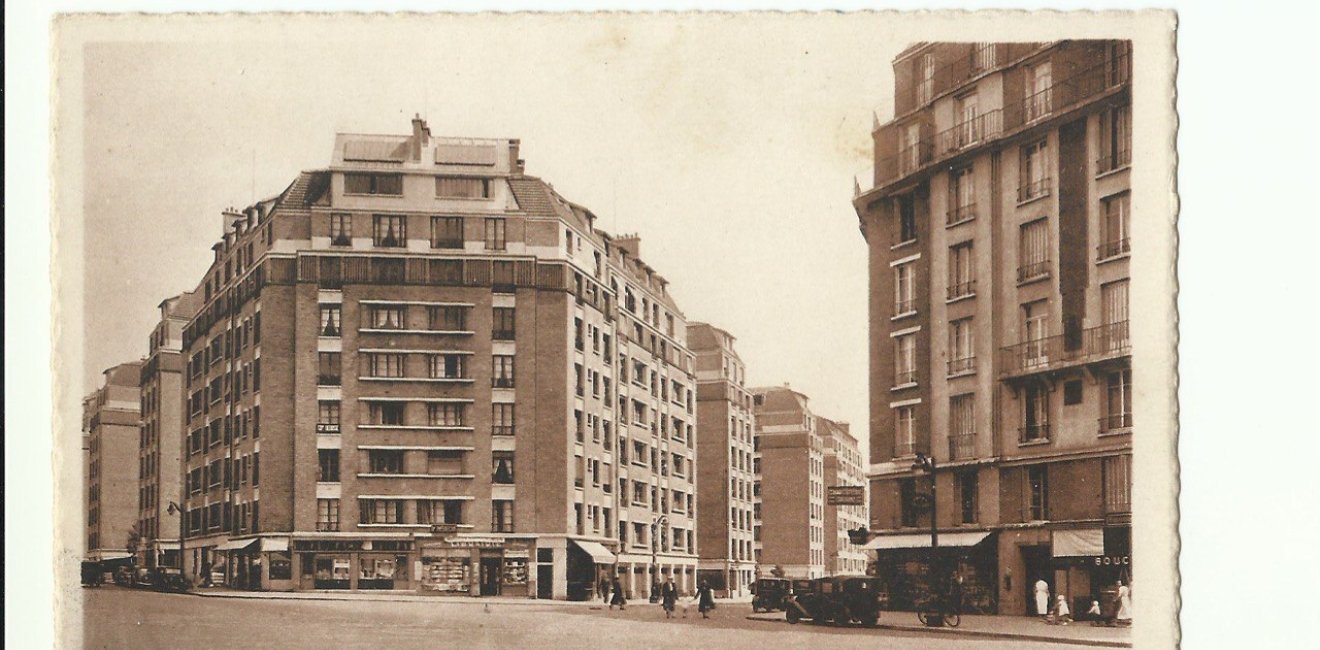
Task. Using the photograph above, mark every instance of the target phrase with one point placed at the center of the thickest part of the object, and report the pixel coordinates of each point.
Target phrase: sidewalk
(413, 597)
(1027, 628)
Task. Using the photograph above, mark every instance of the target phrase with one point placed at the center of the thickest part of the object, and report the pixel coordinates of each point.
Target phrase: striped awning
(922, 540)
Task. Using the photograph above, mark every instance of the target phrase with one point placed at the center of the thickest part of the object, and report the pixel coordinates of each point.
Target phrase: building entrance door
(1037, 561)
(545, 576)
(490, 576)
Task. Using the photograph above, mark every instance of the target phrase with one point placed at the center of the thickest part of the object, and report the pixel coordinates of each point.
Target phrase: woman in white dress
(1124, 615)
(1042, 597)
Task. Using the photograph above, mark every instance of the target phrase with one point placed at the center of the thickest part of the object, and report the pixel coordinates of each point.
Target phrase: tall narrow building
(726, 502)
(844, 466)
(997, 227)
(422, 369)
(110, 424)
(160, 438)
(790, 484)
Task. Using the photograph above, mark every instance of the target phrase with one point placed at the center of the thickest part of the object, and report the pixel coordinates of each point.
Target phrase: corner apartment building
(110, 429)
(790, 483)
(997, 229)
(422, 369)
(160, 435)
(844, 465)
(726, 502)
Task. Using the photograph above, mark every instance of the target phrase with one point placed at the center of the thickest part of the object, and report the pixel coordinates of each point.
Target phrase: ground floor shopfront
(728, 578)
(996, 571)
(640, 573)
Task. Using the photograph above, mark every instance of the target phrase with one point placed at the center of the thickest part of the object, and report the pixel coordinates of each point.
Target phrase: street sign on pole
(845, 495)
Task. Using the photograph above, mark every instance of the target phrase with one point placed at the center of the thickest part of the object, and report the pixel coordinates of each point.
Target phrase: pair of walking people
(669, 598)
(611, 591)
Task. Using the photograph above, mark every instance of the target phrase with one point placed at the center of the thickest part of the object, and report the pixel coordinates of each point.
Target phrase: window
(385, 413)
(966, 496)
(330, 320)
(1115, 139)
(1036, 414)
(388, 184)
(444, 462)
(905, 359)
(385, 461)
(1034, 250)
(501, 516)
(962, 196)
(327, 515)
(907, 495)
(328, 465)
(969, 130)
(448, 318)
(502, 419)
(1118, 401)
(907, 219)
(962, 350)
(502, 326)
(962, 426)
(1116, 477)
(926, 83)
(381, 511)
(447, 414)
(494, 234)
(328, 369)
(389, 230)
(909, 148)
(441, 511)
(1034, 176)
(1072, 392)
(1039, 89)
(446, 232)
(905, 431)
(1114, 222)
(448, 366)
(385, 365)
(1038, 507)
(905, 288)
(502, 371)
(1113, 334)
(386, 317)
(502, 467)
(462, 188)
(341, 229)
(962, 275)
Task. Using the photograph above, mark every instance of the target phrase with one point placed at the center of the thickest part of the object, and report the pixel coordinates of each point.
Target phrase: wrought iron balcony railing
(962, 289)
(1111, 249)
(962, 445)
(1033, 271)
(961, 366)
(905, 377)
(1034, 433)
(1051, 353)
(1118, 160)
(970, 132)
(1031, 190)
(1115, 421)
(904, 448)
(960, 214)
(902, 307)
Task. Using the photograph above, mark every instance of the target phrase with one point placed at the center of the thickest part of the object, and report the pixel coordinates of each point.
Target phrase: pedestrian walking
(1097, 617)
(705, 599)
(1062, 614)
(1124, 615)
(617, 597)
(604, 587)
(1042, 598)
(668, 596)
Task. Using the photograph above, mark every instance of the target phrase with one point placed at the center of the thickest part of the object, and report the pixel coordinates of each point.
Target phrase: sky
(728, 145)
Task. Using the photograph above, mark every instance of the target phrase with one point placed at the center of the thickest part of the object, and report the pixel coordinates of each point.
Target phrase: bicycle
(947, 614)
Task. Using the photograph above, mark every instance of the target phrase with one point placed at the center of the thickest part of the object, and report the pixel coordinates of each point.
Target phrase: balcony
(1110, 250)
(1114, 162)
(1032, 190)
(1033, 271)
(904, 448)
(960, 214)
(962, 366)
(913, 156)
(324, 379)
(1065, 93)
(1115, 422)
(904, 307)
(1034, 434)
(905, 377)
(970, 132)
(1052, 353)
(962, 290)
(962, 446)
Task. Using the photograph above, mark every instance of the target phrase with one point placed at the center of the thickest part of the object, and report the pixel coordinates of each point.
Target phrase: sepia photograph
(615, 330)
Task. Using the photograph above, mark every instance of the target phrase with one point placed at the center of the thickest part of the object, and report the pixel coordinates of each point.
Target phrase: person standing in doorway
(617, 598)
(1042, 598)
(1124, 616)
(668, 596)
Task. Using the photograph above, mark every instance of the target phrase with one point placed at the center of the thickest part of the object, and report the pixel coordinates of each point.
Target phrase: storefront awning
(274, 544)
(922, 540)
(598, 553)
(236, 545)
(111, 555)
(1084, 542)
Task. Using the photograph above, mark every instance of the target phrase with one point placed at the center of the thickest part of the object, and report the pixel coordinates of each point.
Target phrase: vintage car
(840, 600)
(166, 578)
(768, 594)
(92, 573)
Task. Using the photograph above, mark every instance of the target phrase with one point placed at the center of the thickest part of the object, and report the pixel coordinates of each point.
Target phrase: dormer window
(386, 184)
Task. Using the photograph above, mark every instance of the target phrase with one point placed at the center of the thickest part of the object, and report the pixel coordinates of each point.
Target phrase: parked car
(169, 579)
(768, 594)
(93, 575)
(839, 600)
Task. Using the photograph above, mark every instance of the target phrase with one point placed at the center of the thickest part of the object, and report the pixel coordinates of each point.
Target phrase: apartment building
(726, 503)
(110, 428)
(789, 466)
(997, 228)
(843, 466)
(160, 435)
(422, 369)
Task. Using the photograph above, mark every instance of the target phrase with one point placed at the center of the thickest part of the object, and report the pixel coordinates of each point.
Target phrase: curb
(1099, 643)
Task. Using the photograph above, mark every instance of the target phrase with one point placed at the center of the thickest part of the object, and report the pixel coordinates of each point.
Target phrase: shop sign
(444, 528)
(326, 545)
(1113, 560)
(845, 495)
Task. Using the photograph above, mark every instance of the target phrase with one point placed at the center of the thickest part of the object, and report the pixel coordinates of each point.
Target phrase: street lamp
(926, 464)
(656, 523)
(175, 508)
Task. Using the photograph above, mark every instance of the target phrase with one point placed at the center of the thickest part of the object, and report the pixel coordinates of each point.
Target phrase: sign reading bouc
(845, 495)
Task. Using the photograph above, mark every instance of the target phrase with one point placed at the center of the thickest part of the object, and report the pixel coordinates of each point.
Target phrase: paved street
(123, 618)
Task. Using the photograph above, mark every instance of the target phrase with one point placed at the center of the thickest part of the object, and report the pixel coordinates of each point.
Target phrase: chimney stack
(631, 244)
(421, 136)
